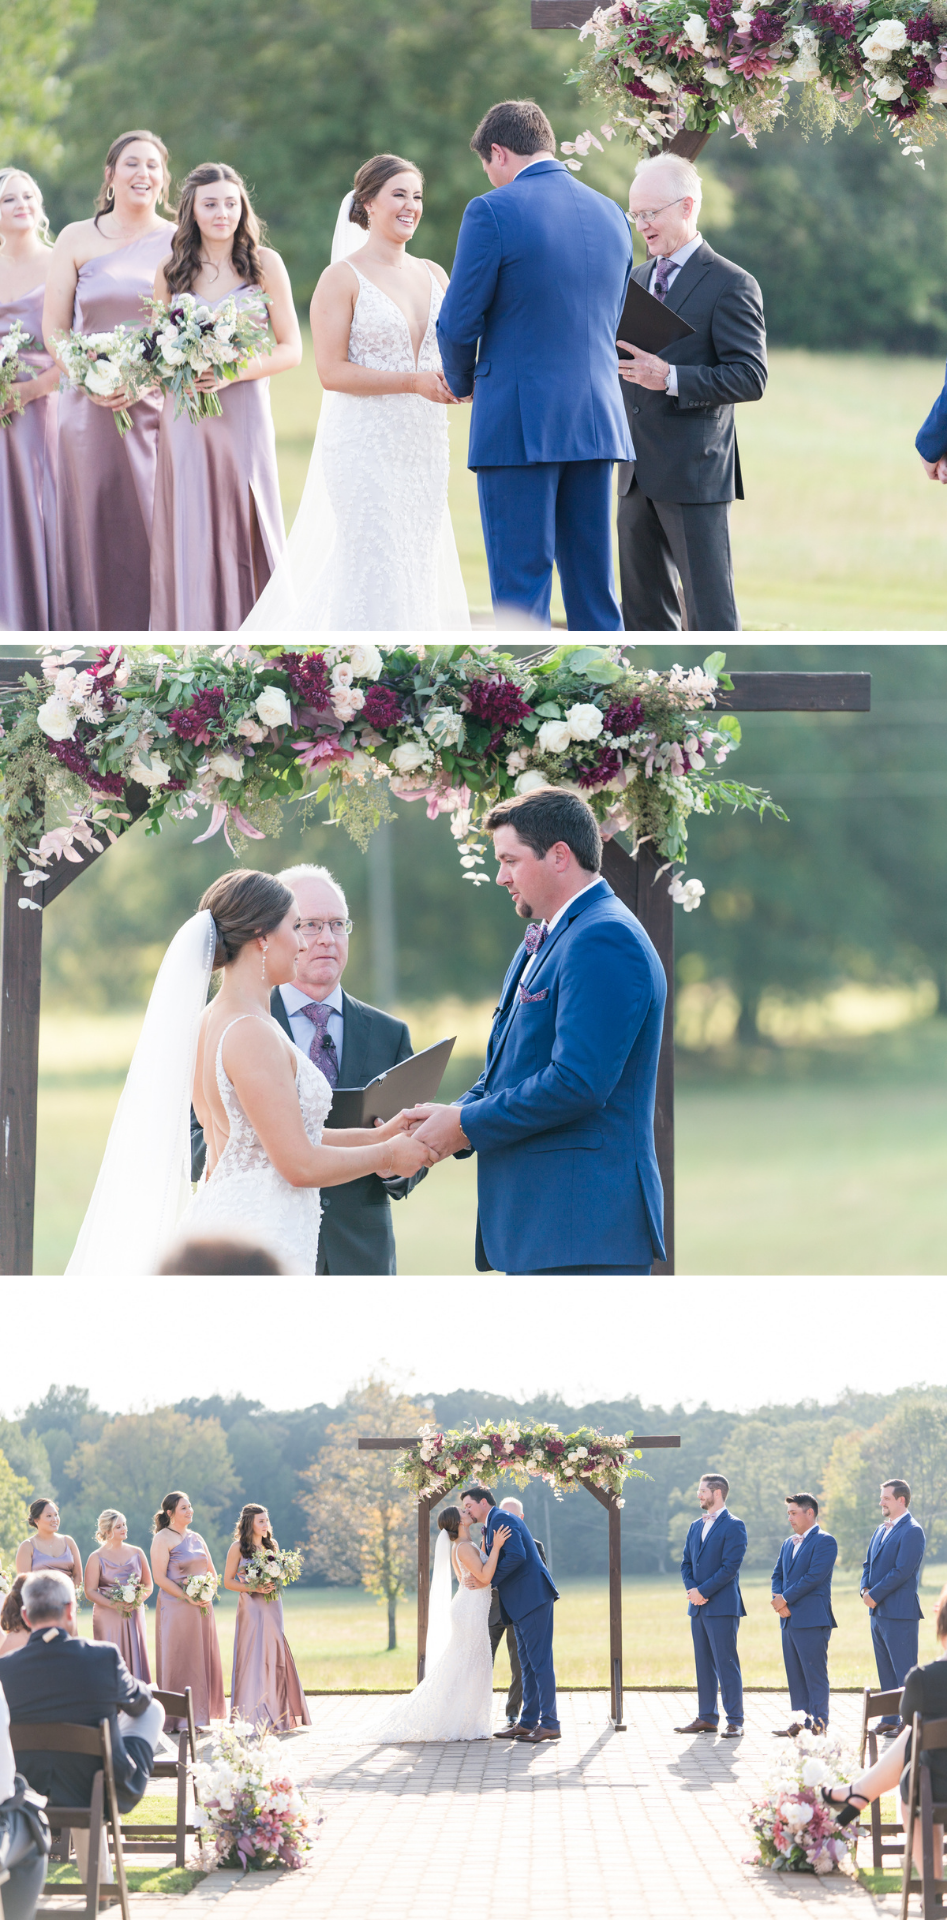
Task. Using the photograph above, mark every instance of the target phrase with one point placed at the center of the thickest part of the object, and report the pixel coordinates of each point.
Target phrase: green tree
(142, 1456)
(909, 1444)
(27, 1455)
(38, 35)
(14, 1493)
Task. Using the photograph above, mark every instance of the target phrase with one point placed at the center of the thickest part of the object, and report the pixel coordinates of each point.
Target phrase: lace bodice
(244, 1151)
(380, 335)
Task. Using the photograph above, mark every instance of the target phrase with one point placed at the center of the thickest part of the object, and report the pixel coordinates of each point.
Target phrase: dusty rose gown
(28, 489)
(187, 1650)
(266, 1689)
(107, 481)
(218, 524)
(128, 1632)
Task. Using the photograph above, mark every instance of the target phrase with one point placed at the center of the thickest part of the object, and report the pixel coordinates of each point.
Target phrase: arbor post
(20, 975)
(424, 1580)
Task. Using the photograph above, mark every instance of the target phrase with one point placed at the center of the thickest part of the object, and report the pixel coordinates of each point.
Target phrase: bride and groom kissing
(525, 330)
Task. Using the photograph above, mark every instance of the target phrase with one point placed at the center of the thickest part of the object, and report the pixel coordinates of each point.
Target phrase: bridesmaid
(49, 1551)
(99, 270)
(111, 1565)
(28, 441)
(187, 1652)
(218, 525)
(266, 1688)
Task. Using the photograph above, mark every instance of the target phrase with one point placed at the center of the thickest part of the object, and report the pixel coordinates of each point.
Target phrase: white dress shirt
(7, 1760)
(551, 925)
(889, 1525)
(677, 261)
(302, 1029)
(709, 1519)
(800, 1537)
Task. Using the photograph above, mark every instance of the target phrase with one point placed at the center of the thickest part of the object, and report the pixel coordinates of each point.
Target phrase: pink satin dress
(266, 1689)
(54, 1563)
(187, 1649)
(107, 480)
(218, 522)
(127, 1632)
(28, 597)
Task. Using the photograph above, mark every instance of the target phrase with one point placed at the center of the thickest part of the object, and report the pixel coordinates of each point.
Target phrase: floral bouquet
(274, 1567)
(251, 1813)
(793, 1827)
(189, 339)
(128, 1597)
(201, 1586)
(105, 364)
(13, 370)
(439, 1461)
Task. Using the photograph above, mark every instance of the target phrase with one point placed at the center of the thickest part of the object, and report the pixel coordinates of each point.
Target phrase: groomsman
(713, 1555)
(890, 1579)
(802, 1597)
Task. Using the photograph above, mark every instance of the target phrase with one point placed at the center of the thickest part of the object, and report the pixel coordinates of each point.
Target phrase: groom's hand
(644, 369)
(443, 1131)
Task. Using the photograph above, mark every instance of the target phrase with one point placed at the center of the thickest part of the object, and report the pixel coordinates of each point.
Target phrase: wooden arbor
(609, 1501)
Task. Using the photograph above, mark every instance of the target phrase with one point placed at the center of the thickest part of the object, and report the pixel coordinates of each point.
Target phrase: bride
(455, 1699)
(372, 547)
(261, 1102)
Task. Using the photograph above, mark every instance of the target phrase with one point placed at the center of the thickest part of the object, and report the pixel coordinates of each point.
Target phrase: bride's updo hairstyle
(370, 179)
(244, 904)
(117, 148)
(449, 1521)
(185, 263)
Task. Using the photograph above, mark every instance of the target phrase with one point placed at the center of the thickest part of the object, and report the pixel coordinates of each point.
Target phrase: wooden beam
(644, 1440)
(424, 1580)
(20, 974)
(798, 693)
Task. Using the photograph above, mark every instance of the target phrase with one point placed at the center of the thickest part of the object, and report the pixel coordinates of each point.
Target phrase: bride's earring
(263, 974)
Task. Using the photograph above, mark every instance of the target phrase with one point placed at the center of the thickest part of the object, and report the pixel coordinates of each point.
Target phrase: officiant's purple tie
(659, 285)
(535, 936)
(322, 1052)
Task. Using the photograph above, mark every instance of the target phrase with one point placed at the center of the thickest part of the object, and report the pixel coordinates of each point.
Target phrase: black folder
(406, 1085)
(647, 323)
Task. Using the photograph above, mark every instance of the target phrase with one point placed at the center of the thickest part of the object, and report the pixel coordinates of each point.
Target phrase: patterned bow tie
(535, 936)
(322, 1052)
(659, 285)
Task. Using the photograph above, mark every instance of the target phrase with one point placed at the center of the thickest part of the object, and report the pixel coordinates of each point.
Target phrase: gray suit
(674, 498)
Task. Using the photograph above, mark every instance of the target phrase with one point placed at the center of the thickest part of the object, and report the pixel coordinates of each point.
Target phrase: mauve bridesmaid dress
(106, 479)
(28, 489)
(187, 1650)
(266, 1689)
(218, 523)
(128, 1632)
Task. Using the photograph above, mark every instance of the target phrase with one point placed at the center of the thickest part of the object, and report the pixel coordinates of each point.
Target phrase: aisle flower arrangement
(440, 1462)
(793, 1829)
(186, 340)
(252, 1814)
(659, 67)
(273, 1567)
(13, 370)
(239, 731)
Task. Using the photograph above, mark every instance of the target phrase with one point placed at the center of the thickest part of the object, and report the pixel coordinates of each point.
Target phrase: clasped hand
(440, 1128)
(936, 469)
(644, 369)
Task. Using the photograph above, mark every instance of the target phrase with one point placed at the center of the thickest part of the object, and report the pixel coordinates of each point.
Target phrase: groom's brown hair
(519, 125)
(478, 1493)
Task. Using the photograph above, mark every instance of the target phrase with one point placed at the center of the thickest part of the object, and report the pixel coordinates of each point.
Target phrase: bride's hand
(408, 1156)
(388, 1129)
(414, 1117)
(500, 1537)
(433, 386)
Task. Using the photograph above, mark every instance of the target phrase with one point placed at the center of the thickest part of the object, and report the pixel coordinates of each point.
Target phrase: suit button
(636, 409)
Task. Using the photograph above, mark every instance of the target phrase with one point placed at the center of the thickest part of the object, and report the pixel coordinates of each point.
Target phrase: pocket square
(526, 998)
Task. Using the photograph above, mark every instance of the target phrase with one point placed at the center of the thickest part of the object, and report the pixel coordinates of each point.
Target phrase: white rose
(249, 730)
(445, 726)
(568, 1473)
(658, 80)
(581, 1453)
(169, 351)
(366, 662)
(584, 722)
(486, 1453)
(885, 38)
(890, 89)
(553, 736)
(273, 707)
(157, 775)
(57, 719)
(516, 761)
(804, 67)
(695, 27)
(227, 766)
(529, 781)
(347, 702)
(103, 379)
(408, 758)
(223, 330)
(343, 674)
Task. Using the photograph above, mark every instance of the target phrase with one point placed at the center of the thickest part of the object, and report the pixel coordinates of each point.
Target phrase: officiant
(350, 1042)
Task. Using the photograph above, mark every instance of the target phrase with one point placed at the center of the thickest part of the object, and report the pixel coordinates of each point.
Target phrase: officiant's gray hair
(674, 167)
(304, 871)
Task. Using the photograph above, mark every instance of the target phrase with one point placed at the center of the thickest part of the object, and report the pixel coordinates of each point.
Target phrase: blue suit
(527, 1595)
(931, 441)
(562, 1117)
(713, 1567)
(539, 280)
(805, 1582)
(891, 1575)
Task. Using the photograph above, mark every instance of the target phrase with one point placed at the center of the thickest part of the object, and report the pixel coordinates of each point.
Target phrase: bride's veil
(438, 1620)
(144, 1180)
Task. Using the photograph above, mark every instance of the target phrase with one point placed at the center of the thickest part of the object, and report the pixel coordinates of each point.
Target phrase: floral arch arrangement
(439, 1462)
(241, 731)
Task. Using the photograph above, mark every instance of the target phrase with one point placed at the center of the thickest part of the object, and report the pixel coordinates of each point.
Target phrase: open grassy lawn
(840, 528)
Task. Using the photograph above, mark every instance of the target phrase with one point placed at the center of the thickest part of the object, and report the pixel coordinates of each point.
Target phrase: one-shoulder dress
(186, 1645)
(126, 1630)
(28, 597)
(266, 1689)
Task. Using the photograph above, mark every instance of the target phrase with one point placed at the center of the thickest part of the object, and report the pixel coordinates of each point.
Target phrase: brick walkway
(647, 1823)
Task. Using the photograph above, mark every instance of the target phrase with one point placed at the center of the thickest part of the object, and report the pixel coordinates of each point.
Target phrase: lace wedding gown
(455, 1700)
(246, 1194)
(372, 547)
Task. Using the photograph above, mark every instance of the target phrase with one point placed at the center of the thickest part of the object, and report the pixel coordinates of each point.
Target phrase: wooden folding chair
(103, 1807)
(927, 1737)
(157, 1836)
(874, 1706)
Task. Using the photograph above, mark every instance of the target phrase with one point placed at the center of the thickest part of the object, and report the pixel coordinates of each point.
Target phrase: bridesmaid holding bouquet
(49, 1551)
(187, 1650)
(112, 1566)
(266, 1688)
(27, 438)
(99, 272)
(218, 524)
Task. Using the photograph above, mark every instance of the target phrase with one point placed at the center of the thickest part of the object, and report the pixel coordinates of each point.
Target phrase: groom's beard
(525, 912)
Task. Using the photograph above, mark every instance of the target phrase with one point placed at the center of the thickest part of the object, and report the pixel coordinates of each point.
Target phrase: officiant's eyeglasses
(651, 213)
(313, 928)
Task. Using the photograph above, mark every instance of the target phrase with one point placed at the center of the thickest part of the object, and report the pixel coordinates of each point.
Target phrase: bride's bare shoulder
(248, 1040)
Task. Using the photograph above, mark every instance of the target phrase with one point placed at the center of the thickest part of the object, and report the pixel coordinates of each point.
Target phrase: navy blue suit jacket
(806, 1581)
(79, 1682)
(522, 1580)
(562, 1116)
(539, 279)
(892, 1570)
(713, 1565)
(931, 441)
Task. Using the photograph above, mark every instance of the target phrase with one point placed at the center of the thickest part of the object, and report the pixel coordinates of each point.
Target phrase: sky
(734, 1343)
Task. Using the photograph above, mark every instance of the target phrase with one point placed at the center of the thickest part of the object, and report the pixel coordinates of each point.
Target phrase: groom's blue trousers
(556, 511)
(534, 1646)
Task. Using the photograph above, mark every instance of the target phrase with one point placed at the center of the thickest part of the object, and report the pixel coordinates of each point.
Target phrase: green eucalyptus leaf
(715, 663)
(550, 710)
(603, 674)
(729, 724)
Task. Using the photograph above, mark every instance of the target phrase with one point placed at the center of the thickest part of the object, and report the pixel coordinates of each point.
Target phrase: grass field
(840, 528)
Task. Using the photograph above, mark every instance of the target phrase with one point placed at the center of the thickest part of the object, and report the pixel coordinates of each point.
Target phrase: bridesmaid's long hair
(243, 1531)
(121, 141)
(163, 1516)
(186, 247)
(20, 173)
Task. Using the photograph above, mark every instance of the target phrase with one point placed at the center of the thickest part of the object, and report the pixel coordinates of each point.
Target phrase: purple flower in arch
(382, 708)
(901, 110)
(923, 27)
(921, 75)
(767, 27)
(606, 767)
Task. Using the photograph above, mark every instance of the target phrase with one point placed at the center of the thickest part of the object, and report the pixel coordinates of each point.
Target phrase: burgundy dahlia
(899, 111)
(923, 28)
(308, 676)
(767, 27)
(605, 768)
(382, 708)
(624, 719)
(498, 704)
(921, 75)
(194, 722)
(719, 16)
(71, 754)
(838, 20)
(640, 91)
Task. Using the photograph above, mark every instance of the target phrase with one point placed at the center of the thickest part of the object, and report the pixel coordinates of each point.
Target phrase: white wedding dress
(372, 547)
(455, 1700)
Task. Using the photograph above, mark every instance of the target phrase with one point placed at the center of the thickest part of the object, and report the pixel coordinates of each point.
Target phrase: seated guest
(15, 1630)
(24, 1836)
(890, 1580)
(675, 495)
(931, 441)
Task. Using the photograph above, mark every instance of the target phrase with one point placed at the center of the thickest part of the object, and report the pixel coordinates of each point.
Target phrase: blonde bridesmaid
(187, 1650)
(113, 1564)
(28, 440)
(99, 272)
(266, 1688)
(49, 1551)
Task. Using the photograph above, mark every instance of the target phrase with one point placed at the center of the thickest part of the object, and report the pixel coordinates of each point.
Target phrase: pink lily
(221, 817)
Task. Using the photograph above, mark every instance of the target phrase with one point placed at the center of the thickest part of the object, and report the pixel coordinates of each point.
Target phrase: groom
(527, 1596)
(539, 281)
